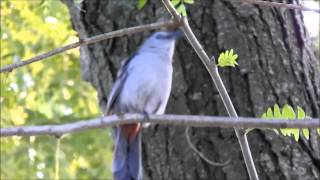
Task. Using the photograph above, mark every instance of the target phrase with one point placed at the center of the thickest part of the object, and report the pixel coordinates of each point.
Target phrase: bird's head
(162, 42)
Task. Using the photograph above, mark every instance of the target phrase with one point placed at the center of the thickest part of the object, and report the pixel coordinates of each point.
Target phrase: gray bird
(143, 85)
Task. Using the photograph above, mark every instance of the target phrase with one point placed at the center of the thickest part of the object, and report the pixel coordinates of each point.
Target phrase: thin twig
(182, 120)
(201, 154)
(213, 71)
(278, 5)
(91, 40)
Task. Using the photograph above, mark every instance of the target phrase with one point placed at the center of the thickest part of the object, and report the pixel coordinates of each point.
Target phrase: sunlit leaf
(188, 1)
(269, 113)
(141, 4)
(288, 112)
(227, 58)
(306, 133)
(295, 133)
(182, 10)
(276, 111)
(301, 113)
(175, 2)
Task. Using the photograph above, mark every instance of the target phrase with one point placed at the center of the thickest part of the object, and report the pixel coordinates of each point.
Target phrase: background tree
(276, 65)
(51, 91)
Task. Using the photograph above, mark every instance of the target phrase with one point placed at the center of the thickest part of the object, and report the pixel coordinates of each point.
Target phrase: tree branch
(91, 40)
(182, 120)
(201, 154)
(278, 5)
(213, 71)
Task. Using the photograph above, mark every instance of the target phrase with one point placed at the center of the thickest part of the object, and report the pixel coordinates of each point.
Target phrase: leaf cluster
(227, 58)
(287, 112)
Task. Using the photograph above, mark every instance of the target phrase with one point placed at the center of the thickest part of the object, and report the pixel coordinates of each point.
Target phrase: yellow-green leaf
(276, 111)
(175, 2)
(227, 58)
(285, 131)
(189, 1)
(288, 112)
(295, 133)
(269, 113)
(301, 113)
(141, 4)
(182, 10)
(305, 132)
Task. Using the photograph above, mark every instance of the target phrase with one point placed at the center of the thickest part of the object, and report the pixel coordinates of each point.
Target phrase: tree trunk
(276, 65)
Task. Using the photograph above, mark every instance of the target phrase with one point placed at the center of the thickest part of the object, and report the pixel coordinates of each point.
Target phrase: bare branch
(182, 120)
(91, 40)
(213, 71)
(201, 154)
(278, 5)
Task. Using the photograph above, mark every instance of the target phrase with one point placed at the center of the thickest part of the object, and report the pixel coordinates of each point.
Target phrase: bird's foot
(146, 120)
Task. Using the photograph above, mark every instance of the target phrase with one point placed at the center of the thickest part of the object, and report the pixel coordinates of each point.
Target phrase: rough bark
(275, 66)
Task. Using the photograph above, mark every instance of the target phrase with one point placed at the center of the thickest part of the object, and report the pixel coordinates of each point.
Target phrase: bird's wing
(118, 85)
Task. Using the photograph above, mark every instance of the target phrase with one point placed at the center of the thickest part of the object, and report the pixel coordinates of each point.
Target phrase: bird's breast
(147, 86)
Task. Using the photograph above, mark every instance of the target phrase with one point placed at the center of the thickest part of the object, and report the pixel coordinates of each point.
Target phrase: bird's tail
(126, 163)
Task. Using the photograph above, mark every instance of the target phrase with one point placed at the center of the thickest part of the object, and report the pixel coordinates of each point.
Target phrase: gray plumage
(143, 85)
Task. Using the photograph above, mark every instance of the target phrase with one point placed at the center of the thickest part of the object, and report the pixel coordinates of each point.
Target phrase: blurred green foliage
(46, 92)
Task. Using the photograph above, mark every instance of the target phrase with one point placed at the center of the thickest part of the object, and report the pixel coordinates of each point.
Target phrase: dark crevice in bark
(167, 150)
(298, 32)
(308, 150)
(261, 59)
(274, 156)
(112, 68)
(147, 169)
(250, 102)
(185, 76)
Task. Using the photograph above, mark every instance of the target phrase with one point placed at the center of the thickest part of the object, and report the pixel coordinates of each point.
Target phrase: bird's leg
(146, 116)
(146, 120)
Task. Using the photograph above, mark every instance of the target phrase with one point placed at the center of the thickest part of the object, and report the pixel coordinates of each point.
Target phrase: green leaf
(269, 113)
(301, 113)
(305, 132)
(295, 133)
(288, 112)
(141, 4)
(189, 1)
(182, 10)
(276, 111)
(175, 2)
(318, 130)
(285, 131)
(227, 58)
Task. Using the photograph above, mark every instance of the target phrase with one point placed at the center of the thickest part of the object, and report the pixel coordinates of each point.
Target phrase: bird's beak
(176, 34)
